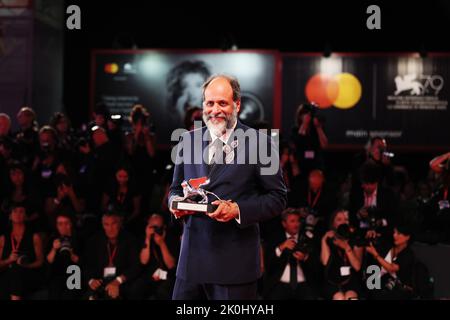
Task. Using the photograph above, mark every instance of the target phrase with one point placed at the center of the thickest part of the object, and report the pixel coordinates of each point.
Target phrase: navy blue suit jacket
(227, 253)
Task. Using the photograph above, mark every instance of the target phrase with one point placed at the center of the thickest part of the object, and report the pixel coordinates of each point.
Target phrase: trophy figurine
(195, 197)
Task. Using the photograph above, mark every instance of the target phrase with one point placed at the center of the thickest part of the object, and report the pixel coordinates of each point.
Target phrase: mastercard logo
(342, 90)
(112, 68)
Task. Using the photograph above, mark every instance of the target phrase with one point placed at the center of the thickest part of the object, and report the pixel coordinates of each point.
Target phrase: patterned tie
(218, 156)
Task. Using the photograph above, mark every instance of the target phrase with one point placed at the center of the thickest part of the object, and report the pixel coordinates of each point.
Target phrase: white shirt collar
(295, 236)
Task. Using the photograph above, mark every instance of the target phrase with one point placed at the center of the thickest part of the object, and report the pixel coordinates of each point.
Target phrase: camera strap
(111, 255)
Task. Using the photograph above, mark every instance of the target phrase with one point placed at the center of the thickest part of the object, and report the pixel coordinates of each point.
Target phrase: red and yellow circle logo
(112, 68)
(342, 90)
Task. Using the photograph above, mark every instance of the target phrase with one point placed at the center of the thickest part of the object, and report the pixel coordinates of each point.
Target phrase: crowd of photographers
(88, 198)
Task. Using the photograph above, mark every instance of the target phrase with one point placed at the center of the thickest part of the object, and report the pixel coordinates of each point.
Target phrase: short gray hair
(234, 83)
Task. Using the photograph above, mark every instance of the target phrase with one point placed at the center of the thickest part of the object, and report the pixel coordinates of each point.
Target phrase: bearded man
(220, 256)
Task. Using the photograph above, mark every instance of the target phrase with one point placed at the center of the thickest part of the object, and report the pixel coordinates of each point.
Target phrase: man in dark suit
(373, 200)
(291, 270)
(220, 251)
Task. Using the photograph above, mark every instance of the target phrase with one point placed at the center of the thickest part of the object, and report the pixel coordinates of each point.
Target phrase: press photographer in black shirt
(396, 264)
(111, 261)
(309, 138)
(440, 202)
(21, 258)
(27, 137)
(64, 251)
(341, 258)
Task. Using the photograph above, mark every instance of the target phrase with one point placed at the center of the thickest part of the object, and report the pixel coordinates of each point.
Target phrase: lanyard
(14, 246)
(316, 198)
(111, 255)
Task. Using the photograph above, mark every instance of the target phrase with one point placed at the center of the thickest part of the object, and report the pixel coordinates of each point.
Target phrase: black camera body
(311, 108)
(305, 243)
(66, 244)
(158, 230)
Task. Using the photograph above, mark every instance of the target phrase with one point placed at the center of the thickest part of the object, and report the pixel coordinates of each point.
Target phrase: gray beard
(220, 129)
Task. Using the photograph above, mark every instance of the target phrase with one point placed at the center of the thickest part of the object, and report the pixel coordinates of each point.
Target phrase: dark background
(287, 26)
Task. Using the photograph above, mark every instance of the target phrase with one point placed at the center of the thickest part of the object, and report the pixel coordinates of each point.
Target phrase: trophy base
(196, 207)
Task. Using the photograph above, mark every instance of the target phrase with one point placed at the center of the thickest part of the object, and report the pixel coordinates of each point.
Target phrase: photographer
(309, 139)
(140, 145)
(27, 137)
(64, 252)
(111, 261)
(291, 173)
(440, 202)
(373, 206)
(21, 257)
(291, 262)
(123, 195)
(5, 126)
(19, 189)
(376, 154)
(397, 265)
(64, 132)
(316, 199)
(116, 135)
(341, 258)
(158, 256)
(46, 161)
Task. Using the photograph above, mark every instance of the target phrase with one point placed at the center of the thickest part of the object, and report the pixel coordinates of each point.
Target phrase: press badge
(109, 272)
(46, 173)
(309, 154)
(345, 271)
(161, 274)
(443, 204)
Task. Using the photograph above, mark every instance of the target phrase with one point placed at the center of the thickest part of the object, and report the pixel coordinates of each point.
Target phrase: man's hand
(95, 284)
(56, 244)
(159, 239)
(300, 256)
(288, 244)
(112, 289)
(372, 234)
(149, 231)
(371, 249)
(225, 211)
(13, 257)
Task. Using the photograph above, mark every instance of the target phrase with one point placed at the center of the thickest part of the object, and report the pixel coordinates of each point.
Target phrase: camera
(158, 230)
(311, 108)
(66, 244)
(368, 218)
(385, 153)
(305, 241)
(343, 232)
(23, 258)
